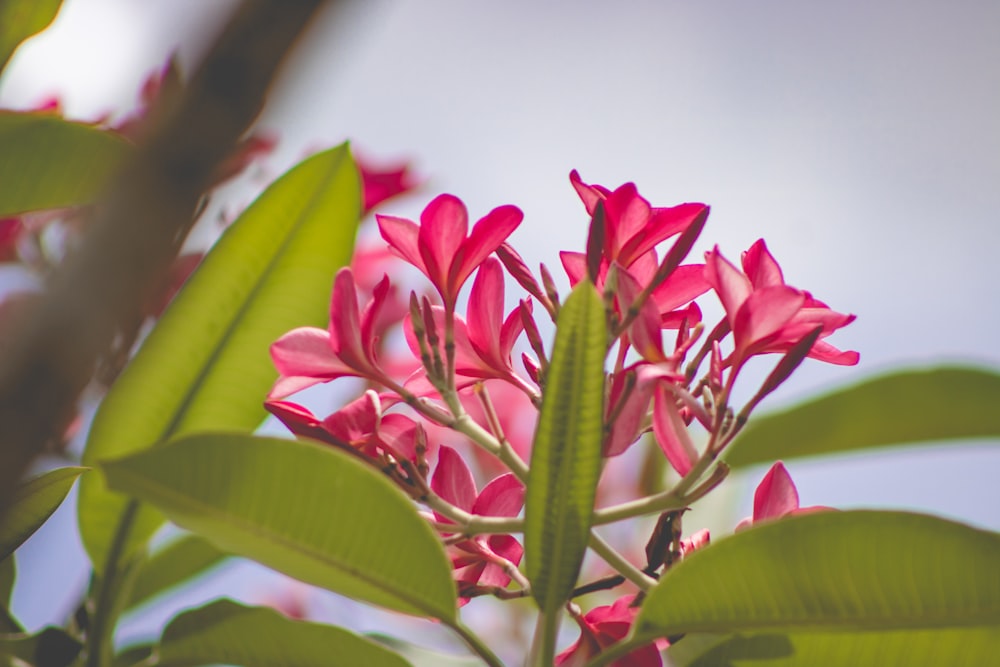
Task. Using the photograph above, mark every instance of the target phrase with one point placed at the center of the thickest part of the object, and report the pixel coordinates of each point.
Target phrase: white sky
(861, 139)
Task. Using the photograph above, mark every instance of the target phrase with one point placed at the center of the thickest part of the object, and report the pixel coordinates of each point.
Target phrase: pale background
(861, 139)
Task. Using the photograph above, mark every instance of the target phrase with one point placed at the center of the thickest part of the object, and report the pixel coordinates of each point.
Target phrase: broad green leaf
(20, 19)
(229, 633)
(47, 162)
(133, 655)
(176, 563)
(52, 647)
(205, 366)
(566, 455)
(8, 574)
(833, 571)
(309, 511)
(913, 648)
(901, 408)
(33, 503)
(419, 656)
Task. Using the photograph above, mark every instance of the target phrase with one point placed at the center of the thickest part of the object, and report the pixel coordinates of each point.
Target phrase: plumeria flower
(380, 184)
(775, 497)
(601, 628)
(480, 560)
(765, 314)
(441, 245)
(632, 227)
(308, 355)
(484, 343)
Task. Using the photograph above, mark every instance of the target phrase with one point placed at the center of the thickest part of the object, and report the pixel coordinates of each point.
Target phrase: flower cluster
(455, 403)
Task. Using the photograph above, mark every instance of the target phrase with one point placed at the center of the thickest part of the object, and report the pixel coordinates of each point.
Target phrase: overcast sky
(861, 139)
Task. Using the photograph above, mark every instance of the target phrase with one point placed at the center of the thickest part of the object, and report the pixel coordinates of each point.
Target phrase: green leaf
(309, 511)
(229, 633)
(52, 647)
(566, 456)
(205, 366)
(833, 571)
(19, 20)
(33, 503)
(47, 162)
(8, 573)
(177, 563)
(913, 648)
(133, 655)
(897, 409)
(419, 656)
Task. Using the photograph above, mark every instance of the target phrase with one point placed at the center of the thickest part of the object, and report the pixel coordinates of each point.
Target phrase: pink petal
(661, 225)
(443, 226)
(625, 428)
(485, 311)
(486, 236)
(825, 352)
(357, 420)
(401, 235)
(298, 419)
(671, 432)
(775, 495)
(398, 433)
(589, 194)
(685, 284)
(370, 318)
(504, 496)
(345, 322)
(728, 282)
(763, 315)
(305, 352)
(575, 265)
(452, 479)
(761, 267)
(286, 386)
(627, 215)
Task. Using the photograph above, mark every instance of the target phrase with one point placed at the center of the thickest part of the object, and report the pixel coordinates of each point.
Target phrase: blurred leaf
(566, 455)
(47, 162)
(19, 20)
(833, 571)
(176, 563)
(8, 574)
(52, 647)
(897, 409)
(133, 655)
(205, 366)
(226, 632)
(913, 648)
(419, 656)
(33, 503)
(312, 512)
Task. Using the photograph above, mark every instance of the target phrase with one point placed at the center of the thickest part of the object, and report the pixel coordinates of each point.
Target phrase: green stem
(100, 649)
(621, 565)
(474, 642)
(543, 646)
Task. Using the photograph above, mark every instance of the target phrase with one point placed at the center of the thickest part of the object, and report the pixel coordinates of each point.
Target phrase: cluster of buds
(460, 388)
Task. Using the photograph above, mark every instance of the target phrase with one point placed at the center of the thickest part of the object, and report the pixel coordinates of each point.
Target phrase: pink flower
(441, 245)
(632, 227)
(480, 560)
(765, 314)
(775, 497)
(601, 628)
(308, 356)
(380, 184)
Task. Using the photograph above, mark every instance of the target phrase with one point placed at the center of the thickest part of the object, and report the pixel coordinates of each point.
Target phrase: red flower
(601, 628)
(441, 245)
(480, 560)
(378, 185)
(765, 314)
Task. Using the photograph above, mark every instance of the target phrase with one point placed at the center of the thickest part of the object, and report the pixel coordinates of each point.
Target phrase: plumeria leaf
(913, 648)
(309, 511)
(566, 456)
(33, 503)
(19, 20)
(205, 366)
(175, 564)
(47, 162)
(229, 633)
(900, 408)
(833, 572)
(8, 574)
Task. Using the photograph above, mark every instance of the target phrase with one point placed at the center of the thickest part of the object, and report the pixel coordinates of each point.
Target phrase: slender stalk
(474, 642)
(109, 589)
(643, 581)
(543, 646)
